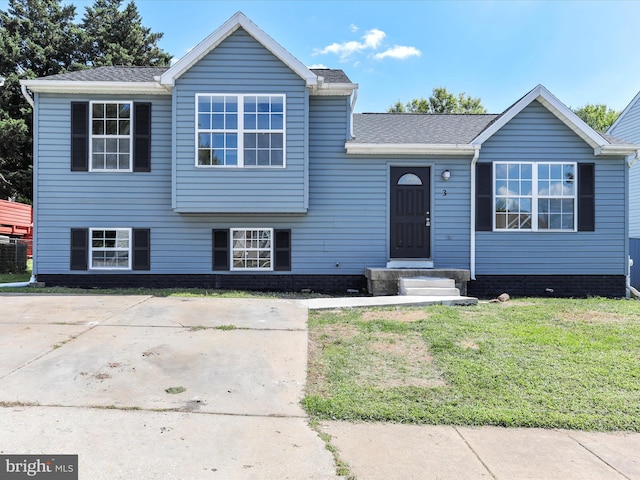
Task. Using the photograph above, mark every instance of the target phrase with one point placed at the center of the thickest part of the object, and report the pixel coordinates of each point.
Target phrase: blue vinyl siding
(628, 129)
(240, 65)
(535, 134)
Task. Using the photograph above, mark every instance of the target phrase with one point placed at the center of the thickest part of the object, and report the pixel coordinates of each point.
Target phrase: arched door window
(409, 179)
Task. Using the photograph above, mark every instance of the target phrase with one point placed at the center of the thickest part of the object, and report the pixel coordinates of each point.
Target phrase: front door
(410, 215)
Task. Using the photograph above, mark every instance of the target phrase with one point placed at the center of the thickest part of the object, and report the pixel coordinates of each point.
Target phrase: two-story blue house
(239, 167)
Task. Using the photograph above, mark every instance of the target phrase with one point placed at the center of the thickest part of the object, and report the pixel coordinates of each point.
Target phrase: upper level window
(535, 196)
(240, 130)
(111, 137)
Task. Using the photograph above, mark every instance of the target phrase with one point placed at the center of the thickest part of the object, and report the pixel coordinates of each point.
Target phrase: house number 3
(444, 193)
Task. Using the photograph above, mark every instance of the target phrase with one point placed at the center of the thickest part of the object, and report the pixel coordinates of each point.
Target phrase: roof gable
(555, 106)
(239, 20)
(627, 111)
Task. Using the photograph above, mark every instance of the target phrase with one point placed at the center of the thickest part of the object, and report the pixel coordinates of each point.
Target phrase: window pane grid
(550, 206)
(240, 130)
(252, 249)
(111, 136)
(110, 248)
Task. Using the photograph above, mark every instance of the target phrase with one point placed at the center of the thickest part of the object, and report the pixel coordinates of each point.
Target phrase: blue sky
(584, 52)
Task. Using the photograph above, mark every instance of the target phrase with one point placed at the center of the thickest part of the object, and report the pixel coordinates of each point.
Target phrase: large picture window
(535, 196)
(111, 139)
(240, 130)
(110, 248)
(252, 248)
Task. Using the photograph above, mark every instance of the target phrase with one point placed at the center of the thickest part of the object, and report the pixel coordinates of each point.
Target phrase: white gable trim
(555, 106)
(624, 113)
(76, 86)
(239, 20)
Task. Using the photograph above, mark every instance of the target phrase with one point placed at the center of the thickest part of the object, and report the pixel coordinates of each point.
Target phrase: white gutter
(25, 93)
(410, 148)
(632, 161)
(472, 216)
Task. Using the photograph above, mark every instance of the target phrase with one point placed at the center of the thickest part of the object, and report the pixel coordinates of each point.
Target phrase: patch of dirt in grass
(469, 345)
(400, 360)
(318, 339)
(593, 316)
(399, 315)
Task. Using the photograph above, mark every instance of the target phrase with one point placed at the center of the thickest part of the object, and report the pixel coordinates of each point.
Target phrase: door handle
(427, 220)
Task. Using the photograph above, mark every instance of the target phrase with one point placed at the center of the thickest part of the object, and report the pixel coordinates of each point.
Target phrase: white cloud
(398, 51)
(371, 41)
(318, 65)
(353, 27)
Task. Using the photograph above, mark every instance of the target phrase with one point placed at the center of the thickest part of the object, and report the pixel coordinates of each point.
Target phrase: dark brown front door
(410, 215)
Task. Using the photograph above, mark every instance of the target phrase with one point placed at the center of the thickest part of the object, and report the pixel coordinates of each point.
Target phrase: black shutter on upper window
(141, 249)
(79, 136)
(484, 197)
(586, 197)
(79, 248)
(220, 249)
(141, 137)
(282, 250)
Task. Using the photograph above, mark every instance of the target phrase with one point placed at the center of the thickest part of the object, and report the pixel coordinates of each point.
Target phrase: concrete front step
(428, 286)
(435, 282)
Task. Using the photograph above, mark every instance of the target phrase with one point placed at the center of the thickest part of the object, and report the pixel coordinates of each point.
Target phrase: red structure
(16, 220)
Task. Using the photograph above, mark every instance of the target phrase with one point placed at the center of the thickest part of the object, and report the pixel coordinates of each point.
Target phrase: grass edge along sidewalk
(548, 363)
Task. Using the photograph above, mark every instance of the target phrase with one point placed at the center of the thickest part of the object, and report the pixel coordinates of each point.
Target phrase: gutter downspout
(25, 94)
(353, 106)
(630, 289)
(472, 216)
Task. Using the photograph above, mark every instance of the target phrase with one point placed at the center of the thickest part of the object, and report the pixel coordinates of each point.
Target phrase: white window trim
(241, 131)
(231, 249)
(91, 136)
(90, 262)
(535, 197)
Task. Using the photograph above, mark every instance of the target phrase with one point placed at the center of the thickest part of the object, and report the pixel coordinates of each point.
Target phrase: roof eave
(617, 149)
(239, 20)
(334, 89)
(410, 149)
(106, 87)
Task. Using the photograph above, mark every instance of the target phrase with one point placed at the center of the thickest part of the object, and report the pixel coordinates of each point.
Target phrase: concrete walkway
(194, 388)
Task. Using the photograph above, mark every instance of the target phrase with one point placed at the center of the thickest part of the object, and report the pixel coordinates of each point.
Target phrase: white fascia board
(624, 113)
(335, 89)
(67, 86)
(239, 20)
(409, 149)
(555, 106)
(617, 149)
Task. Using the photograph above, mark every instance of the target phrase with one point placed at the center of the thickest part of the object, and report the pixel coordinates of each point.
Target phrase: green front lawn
(551, 363)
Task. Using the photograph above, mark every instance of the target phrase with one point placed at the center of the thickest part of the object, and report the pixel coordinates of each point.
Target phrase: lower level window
(252, 248)
(110, 248)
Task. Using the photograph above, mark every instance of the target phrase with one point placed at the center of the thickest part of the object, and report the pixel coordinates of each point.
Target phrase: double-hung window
(535, 196)
(111, 138)
(110, 248)
(252, 248)
(240, 130)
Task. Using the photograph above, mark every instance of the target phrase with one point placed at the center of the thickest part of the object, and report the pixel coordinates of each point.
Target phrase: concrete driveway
(159, 388)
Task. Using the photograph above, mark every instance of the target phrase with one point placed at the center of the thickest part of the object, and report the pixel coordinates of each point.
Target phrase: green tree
(440, 101)
(597, 116)
(116, 36)
(36, 39)
(40, 38)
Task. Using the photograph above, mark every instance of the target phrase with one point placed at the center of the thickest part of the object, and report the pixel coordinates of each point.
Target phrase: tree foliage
(440, 101)
(597, 116)
(40, 38)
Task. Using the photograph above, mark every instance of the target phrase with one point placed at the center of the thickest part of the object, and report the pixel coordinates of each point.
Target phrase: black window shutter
(484, 197)
(79, 136)
(282, 250)
(141, 137)
(79, 248)
(586, 197)
(220, 249)
(141, 249)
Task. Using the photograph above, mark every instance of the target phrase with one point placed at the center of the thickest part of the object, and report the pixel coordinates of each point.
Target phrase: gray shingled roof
(147, 74)
(402, 128)
(111, 74)
(331, 76)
